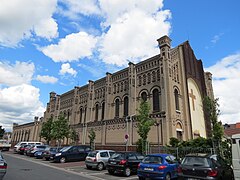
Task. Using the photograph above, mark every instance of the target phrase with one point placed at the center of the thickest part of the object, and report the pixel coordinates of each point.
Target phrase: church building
(173, 82)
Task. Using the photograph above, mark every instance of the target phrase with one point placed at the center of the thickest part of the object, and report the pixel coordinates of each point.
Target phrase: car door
(104, 156)
(81, 153)
(71, 153)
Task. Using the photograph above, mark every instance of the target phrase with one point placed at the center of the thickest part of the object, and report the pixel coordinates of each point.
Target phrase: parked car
(50, 152)
(124, 162)
(71, 153)
(38, 154)
(18, 145)
(204, 166)
(98, 159)
(22, 148)
(36, 148)
(3, 166)
(158, 166)
(27, 148)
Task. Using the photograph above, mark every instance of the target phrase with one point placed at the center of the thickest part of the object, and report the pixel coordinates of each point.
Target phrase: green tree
(60, 129)
(211, 108)
(144, 124)
(73, 135)
(174, 142)
(92, 136)
(2, 131)
(46, 131)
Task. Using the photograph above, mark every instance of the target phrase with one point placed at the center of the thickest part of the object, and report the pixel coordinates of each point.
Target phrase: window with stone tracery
(176, 97)
(156, 103)
(126, 104)
(117, 104)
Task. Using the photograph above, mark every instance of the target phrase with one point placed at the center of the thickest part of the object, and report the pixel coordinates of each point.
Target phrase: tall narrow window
(144, 79)
(153, 76)
(176, 96)
(103, 110)
(80, 118)
(144, 96)
(96, 112)
(125, 113)
(68, 115)
(156, 107)
(140, 80)
(117, 108)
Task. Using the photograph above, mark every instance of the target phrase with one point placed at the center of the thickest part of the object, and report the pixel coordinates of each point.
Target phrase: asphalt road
(29, 168)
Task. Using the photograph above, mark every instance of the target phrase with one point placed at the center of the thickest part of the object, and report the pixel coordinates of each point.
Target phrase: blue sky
(54, 45)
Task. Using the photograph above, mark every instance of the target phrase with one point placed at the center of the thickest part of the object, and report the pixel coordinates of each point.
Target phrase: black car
(124, 162)
(71, 153)
(204, 166)
(50, 152)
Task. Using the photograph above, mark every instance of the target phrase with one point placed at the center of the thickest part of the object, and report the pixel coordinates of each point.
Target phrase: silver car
(98, 159)
(3, 166)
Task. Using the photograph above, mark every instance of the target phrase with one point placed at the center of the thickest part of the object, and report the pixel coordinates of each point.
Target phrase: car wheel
(141, 178)
(62, 160)
(100, 166)
(168, 177)
(110, 171)
(127, 171)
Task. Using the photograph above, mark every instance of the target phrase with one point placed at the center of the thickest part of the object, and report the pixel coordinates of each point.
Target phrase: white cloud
(112, 10)
(65, 68)
(216, 38)
(73, 47)
(19, 104)
(76, 7)
(21, 19)
(133, 36)
(226, 84)
(129, 28)
(47, 79)
(16, 74)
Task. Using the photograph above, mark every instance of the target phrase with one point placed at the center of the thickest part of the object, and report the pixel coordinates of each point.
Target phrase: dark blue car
(158, 166)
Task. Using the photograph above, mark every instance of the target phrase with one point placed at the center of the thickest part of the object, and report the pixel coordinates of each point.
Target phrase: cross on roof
(191, 95)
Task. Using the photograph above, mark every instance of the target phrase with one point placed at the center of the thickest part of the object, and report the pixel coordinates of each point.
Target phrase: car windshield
(195, 161)
(65, 149)
(92, 154)
(152, 160)
(118, 156)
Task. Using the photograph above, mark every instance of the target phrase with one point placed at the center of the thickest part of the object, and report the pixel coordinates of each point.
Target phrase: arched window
(103, 109)
(125, 113)
(144, 96)
(179, 131)
(96, 112)
(156, 107)
(80, 118)
(176, 96)
(117, 103)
